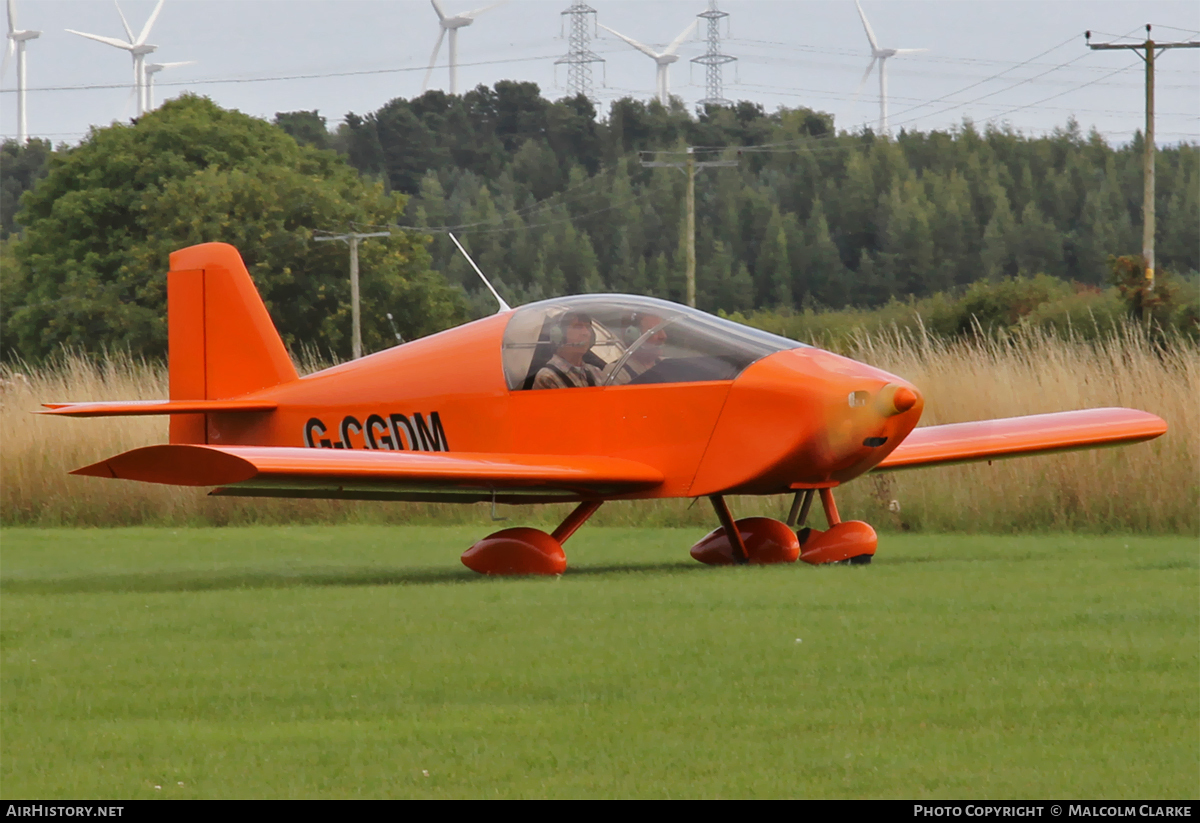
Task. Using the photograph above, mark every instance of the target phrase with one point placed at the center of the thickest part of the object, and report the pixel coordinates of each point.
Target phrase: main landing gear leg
(527, 551)
(755, 540)
(851, 542)
(831, 512)
(732, 532)
(576, 519)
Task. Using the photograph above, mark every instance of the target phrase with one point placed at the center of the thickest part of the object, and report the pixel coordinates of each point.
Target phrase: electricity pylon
(712, 60)
(580, 57)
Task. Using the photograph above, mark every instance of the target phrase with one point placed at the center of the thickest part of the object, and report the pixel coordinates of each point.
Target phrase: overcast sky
(995, 61)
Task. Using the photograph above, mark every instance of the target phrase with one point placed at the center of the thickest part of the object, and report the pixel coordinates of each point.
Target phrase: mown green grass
(349, 661)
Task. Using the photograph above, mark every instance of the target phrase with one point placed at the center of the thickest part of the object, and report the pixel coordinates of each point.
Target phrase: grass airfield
(366, 661)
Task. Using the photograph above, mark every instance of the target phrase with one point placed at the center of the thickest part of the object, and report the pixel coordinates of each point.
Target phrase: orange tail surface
(222, 341)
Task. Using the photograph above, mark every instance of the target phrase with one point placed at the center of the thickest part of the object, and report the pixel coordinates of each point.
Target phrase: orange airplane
(582, 399)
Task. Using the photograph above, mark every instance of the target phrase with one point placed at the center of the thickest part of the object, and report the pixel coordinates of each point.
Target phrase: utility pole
(356, 315)
(689, 165)
(1148, 157)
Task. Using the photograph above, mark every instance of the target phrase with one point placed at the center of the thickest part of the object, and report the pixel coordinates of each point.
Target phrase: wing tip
(101, 469)
(174, 465)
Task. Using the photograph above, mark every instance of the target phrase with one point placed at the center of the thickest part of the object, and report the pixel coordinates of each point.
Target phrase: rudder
(221, 341)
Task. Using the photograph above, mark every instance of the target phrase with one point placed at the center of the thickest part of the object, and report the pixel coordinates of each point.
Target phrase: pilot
(648, 354)
(566, 369)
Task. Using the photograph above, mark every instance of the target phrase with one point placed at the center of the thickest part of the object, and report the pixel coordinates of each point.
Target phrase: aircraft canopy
(635, 341)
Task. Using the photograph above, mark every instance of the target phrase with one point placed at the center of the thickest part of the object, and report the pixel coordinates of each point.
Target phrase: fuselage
(796, 417)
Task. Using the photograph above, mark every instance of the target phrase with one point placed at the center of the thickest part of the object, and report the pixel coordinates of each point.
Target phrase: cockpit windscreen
(613, 340)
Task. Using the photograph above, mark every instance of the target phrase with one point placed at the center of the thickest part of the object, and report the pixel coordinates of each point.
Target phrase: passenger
(566, 369)
(648, 354)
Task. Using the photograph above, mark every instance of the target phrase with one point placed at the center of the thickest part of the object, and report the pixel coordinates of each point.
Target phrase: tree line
(552, 199)
(555, 199)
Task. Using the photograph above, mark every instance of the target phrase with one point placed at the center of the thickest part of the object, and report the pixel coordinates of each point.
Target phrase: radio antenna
(395, 331)
(503, 306)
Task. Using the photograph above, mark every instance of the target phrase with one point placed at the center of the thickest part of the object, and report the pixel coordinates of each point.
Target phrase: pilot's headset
(558, 332)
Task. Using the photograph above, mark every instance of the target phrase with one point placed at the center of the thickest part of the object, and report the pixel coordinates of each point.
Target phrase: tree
(573, 133)
(101, 224)
(997, 255)
(823, 273)
(1179, 230)
(907, 241)
(20, 167)
(305, 127)
(955, 235)
(853, 204)
(360, 140)
(1038, 245)
(912, 215)
(536, 169)
(774, 269)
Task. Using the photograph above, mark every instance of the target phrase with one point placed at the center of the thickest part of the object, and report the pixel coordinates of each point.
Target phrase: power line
(791, 91)
(993, 77)
(792, 48)
(1020, 83)
(1060, 94)
(1010, 88)
(1175, 28)
(317, 76)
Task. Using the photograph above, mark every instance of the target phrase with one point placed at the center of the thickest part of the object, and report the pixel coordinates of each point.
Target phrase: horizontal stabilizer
(128, 408)
(266, 471)
(1016, 436)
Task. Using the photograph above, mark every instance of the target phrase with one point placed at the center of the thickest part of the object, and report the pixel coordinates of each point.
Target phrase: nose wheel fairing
(853, 541)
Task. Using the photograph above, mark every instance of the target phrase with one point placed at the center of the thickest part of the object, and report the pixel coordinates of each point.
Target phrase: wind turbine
(881, 55)
(664, 59)
(452, 25)
(137, 48)
(16, 42)
(153, 69)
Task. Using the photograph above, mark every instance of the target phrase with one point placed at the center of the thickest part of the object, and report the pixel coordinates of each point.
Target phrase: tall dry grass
(1149, 487)
(37, 452)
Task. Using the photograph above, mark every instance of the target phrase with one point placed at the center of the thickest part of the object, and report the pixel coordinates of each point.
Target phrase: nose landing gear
(761, 540)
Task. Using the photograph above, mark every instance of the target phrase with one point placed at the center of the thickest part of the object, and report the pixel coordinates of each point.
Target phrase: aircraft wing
(459, 477)
(1016, 436)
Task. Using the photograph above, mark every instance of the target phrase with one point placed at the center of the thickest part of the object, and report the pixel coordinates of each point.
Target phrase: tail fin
(222, 342)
